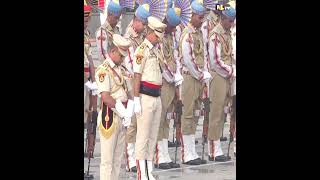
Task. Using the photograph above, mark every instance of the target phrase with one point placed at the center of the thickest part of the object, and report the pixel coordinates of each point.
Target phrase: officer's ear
(113, 50)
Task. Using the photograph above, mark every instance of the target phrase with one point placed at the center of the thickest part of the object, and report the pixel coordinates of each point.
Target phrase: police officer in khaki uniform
(134, 33)
(116, 110)
(194, 75)
(211, 20)
(220, 42)
(104, 33)
(178, 57)
(172, 79)
(108, 28)
(147, 102)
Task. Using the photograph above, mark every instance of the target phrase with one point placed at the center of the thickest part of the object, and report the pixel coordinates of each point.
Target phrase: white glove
(126, 121)
(99, 120)
(206, 76)
(137, 105)
(178, 79)
(88, 85)
(120, 108)
(130, 109)
(178, 83)
(94, 92)
(94, 86)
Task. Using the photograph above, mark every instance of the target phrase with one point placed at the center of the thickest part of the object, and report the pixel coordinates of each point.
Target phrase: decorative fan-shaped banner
(186, 11)
(127, 3)
(210, 4)
(97, 5)
(158, 8)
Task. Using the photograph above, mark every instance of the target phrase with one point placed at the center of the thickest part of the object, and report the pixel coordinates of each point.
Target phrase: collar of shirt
(107, 25)
(213, 16)
(191, 28)
(150, 46)
(169, 35)
(219, 29)
(133, 33)
(110, 62)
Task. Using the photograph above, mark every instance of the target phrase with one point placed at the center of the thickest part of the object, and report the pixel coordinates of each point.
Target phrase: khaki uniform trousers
(147, 127)
(219, 90)
(167, 101)
(191, 91)
(132, 131)
(112, 151)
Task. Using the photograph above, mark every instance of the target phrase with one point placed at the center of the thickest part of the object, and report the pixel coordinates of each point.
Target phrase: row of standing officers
(185, 54)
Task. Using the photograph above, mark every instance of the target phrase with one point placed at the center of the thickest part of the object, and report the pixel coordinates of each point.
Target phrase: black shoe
(171, 144)
(86, 156)
(88, 177)
(174, 165)
(162, 166)
(223, 138)
(196, 141)
(221, 158)
(202, 161)
(133, 169)
(193, 162)
(211, 158)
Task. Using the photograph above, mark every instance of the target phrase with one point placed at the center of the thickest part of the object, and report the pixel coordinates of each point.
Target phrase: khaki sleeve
(103, 80)
(215, 55)
(86, 62)
(139, 59)
(188, 57)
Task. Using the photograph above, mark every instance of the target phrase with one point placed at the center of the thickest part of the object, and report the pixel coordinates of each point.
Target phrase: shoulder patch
(102, 71)
(101, 74)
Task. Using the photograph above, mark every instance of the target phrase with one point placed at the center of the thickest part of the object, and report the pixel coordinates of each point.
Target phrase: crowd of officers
(150, 70)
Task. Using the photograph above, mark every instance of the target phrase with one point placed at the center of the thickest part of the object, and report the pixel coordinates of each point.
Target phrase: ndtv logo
(221, 7)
